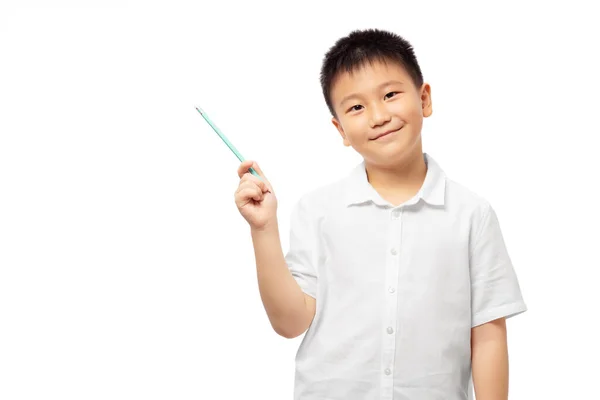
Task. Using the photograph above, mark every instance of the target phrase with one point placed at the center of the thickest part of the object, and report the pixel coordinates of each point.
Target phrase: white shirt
(397, 289)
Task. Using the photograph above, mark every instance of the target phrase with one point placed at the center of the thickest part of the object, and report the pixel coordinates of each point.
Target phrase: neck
(403, 178)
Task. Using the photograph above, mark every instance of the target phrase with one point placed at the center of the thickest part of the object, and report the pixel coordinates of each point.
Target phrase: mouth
(384, 134)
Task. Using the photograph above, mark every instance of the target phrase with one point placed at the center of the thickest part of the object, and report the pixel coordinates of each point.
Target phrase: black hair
(362, 46)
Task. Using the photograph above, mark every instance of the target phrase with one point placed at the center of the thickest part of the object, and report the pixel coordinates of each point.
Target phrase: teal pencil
(227, 142)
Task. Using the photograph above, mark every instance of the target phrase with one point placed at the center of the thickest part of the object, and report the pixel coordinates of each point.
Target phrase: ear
(340, 129)
(426, 100)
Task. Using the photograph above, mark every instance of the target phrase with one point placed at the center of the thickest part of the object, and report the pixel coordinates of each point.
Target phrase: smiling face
(380, 99)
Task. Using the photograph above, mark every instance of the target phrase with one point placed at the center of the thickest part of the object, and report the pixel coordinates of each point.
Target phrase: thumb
(262, 175)
(260, 172)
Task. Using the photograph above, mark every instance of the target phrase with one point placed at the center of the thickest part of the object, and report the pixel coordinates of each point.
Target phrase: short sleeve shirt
(397, 288)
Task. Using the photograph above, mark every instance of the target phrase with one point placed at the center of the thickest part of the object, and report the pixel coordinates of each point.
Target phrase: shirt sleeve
(495, 290)
(302, 255)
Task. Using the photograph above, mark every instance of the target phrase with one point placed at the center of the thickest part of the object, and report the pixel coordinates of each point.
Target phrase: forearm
(489, 361)
(281, 295)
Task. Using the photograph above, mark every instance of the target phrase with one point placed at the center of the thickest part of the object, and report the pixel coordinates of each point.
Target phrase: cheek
(355, 127)
(408, 109)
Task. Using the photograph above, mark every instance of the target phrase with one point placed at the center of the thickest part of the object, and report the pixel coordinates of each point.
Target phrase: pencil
(227, 142)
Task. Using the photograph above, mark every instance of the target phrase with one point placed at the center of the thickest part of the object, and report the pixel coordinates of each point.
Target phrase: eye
(353, 107)
(392, 93)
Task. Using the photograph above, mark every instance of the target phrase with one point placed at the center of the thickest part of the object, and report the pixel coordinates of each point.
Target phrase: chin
(390, 155)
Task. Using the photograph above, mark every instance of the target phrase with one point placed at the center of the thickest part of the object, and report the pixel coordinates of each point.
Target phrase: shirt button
(388, 371)
(396, 214)
(394, 252)
(392, 290)
(390, 330)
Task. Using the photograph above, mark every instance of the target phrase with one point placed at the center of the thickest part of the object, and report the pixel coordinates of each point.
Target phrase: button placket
(390, 312)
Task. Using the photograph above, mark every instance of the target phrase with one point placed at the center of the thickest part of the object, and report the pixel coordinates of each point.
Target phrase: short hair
(361, 46)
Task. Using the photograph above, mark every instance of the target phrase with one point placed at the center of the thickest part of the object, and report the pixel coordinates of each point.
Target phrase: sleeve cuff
(506, 311)
(306, 285)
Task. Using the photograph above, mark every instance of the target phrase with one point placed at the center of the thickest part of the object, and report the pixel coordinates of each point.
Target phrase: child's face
(378, 98)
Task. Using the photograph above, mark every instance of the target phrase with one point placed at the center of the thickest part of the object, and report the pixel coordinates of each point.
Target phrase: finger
(244, 167)
(241, 197)
(264, 178)
(256, 181)
(259, 170)
(244, 174)
(249, 193)
(246, 184)
(249, 183)
(258, 194)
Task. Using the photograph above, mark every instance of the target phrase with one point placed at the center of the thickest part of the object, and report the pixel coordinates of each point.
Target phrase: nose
(379, 115)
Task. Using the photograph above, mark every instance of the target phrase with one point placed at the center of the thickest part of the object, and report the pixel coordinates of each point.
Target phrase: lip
(385, 134)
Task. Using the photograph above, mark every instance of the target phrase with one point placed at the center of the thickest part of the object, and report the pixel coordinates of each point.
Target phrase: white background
(126, 269)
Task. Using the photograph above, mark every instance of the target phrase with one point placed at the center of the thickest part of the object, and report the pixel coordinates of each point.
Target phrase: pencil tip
(199, 110)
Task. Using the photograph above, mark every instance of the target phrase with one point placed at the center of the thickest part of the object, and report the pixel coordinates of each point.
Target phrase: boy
(398, 275)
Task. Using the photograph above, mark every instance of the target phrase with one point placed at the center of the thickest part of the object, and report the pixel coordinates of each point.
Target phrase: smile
(386, 135)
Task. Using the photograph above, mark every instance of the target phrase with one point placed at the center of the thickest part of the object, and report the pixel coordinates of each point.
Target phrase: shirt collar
(359, 190)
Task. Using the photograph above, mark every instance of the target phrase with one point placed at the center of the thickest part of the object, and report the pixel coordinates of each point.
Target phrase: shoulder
(465, 201)
(476, 213)
(320, 200)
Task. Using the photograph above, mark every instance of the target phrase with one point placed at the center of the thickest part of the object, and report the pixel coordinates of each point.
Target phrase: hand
(255, 198)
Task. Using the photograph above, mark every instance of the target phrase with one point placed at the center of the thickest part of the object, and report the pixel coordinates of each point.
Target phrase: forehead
(366, 76)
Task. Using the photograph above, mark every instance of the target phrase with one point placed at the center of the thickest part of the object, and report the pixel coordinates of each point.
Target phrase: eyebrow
(379, 87)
